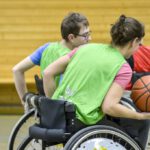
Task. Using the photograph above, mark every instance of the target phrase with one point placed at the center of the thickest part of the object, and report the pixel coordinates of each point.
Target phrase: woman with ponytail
(95, 76)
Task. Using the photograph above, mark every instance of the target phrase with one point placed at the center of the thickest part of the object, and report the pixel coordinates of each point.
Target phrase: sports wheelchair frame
(56, 127)
(98, 136)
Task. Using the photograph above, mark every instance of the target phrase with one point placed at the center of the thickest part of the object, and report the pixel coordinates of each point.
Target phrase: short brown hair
(71, 24)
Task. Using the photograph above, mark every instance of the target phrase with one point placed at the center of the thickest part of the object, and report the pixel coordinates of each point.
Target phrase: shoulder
(36, 55)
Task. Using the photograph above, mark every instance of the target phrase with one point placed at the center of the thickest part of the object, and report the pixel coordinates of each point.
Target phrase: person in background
(95, 77)
(140, 64)
(75, 32)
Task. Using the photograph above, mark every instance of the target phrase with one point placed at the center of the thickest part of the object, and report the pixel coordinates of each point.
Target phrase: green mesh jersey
(87, 79)
(52, 53)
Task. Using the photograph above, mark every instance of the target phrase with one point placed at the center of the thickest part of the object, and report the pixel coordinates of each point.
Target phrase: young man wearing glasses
(75, 32)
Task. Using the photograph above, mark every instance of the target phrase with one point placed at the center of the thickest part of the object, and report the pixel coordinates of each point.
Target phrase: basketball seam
(147, 103)
(139, 97)
(145, 85)
(142, 87)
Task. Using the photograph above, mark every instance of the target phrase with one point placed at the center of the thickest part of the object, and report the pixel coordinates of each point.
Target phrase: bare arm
(19, 78)
(112, 107)
(54, 69)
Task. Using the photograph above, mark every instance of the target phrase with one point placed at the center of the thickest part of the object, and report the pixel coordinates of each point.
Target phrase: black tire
(23, 123)
(24, 143)
(105, 135)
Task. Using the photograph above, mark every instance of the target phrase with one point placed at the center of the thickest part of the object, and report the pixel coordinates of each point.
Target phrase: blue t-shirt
(36, 56)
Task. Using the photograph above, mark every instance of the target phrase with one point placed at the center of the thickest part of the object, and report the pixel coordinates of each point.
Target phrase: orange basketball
(141, 93)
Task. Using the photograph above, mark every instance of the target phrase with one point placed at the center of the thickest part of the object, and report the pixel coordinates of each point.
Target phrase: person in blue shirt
(75, 32)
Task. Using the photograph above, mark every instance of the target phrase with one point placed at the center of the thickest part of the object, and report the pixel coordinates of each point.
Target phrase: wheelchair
(97, 137)
(51, 131)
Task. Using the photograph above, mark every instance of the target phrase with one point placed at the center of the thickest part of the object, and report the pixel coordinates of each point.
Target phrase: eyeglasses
(85, 35)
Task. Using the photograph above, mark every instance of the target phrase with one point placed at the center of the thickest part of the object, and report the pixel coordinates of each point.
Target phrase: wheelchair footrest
(50, 135)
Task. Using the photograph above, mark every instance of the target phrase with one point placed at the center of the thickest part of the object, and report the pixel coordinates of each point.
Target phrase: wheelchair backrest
(39, 85)
(56, 114)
